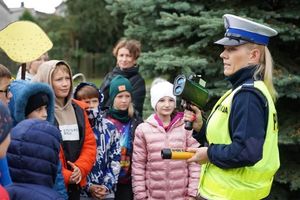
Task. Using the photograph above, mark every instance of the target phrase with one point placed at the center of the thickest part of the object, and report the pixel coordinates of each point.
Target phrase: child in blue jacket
(33, 157)
(33, 100)
(102, 180)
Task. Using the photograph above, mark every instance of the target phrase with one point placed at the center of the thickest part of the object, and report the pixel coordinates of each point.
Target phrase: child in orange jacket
(78, 141)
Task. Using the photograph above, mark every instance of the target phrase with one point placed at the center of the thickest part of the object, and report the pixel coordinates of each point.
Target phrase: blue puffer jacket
(21, 91)
(27, 191)
(33, 157)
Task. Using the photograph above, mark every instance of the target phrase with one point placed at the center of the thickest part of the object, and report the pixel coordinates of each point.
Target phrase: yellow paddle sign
(24, 41)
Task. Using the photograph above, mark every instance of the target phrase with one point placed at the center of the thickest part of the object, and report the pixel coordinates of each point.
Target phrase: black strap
(23, 71)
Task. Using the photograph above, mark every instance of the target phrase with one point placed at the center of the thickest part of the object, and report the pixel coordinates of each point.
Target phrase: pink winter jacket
(154, 178)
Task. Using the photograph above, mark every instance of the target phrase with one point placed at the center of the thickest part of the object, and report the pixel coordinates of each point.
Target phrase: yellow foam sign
(24, 41)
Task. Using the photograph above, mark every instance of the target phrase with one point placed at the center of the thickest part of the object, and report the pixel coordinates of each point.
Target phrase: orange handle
(176, 154)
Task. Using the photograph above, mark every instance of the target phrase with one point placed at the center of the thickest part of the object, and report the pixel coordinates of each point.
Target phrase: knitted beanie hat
(117, 85)
(5, 122)
(161, 88)
(35, 101)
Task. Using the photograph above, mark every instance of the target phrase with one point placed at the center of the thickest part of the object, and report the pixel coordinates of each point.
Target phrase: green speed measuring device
(189, 90)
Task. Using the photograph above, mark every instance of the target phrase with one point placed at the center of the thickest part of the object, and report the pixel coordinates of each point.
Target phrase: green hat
(117, 85)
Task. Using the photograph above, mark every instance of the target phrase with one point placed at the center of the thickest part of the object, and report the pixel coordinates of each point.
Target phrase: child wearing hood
(102, 180)
(35, 100)
(78, 141)
(31, 100)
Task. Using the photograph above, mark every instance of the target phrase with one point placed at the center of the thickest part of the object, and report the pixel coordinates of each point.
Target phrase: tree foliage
(94, 27)
(85, 36)
(62, 34)
(178, 36)
(27, 16)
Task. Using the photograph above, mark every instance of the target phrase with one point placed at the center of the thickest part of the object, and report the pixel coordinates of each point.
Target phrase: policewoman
(242, 156)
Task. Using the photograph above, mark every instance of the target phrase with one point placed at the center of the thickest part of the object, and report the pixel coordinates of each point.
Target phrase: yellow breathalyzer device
(176, 154)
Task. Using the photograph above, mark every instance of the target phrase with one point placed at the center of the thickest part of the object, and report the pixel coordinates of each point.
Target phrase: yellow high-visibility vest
(244, 183)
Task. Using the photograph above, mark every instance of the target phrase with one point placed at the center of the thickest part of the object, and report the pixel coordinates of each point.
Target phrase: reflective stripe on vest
(253, 182)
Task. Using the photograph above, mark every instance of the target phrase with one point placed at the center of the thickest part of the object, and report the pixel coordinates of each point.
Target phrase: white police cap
(240, 31)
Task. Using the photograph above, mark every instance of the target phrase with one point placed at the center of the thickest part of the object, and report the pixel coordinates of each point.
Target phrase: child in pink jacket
(154, 178)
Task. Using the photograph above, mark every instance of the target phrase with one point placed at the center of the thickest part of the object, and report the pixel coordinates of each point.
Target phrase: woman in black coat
(126, 52)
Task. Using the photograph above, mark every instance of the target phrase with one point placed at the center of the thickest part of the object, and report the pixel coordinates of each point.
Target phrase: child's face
(122, 101)
(61, 83)
(39, 113)
(5, 96)
(93, 103)
(165, 106)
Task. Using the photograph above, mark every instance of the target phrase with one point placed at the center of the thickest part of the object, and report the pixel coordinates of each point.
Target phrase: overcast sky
(47, 6)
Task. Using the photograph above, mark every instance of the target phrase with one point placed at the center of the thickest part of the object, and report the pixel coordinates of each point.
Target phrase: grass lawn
(96, 81)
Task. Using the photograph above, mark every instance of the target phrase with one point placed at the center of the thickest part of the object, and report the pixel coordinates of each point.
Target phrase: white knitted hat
(160, 88)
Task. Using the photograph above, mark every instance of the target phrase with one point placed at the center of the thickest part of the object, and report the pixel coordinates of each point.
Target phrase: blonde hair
(265, 68)
(63, 67)
(131, 110)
